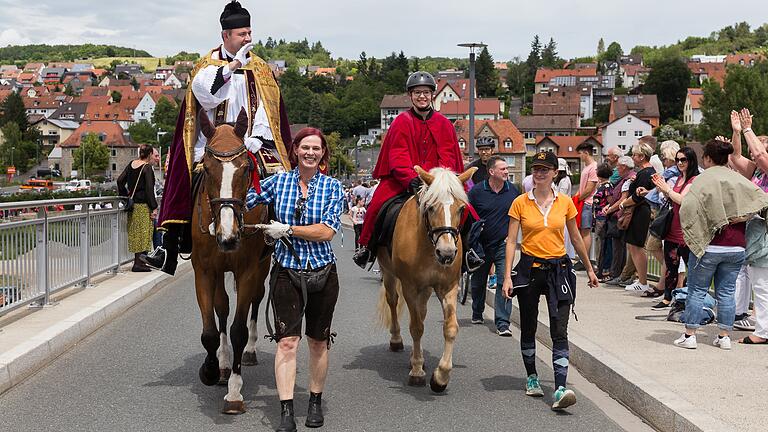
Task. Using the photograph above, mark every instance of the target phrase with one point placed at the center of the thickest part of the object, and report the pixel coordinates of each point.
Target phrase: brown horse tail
(382, 309)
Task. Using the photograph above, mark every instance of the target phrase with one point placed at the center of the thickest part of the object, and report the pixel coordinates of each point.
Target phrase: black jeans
(673, 252)
(528, 300)
(358, 230)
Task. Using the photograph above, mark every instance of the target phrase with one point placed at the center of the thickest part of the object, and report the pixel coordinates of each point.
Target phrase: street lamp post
(472, 46)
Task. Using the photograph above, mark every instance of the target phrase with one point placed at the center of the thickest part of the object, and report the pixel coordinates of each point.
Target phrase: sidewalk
(29, 340)
(625, 348)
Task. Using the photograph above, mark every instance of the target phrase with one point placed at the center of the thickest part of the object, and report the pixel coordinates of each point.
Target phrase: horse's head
(441, 203)
(228, 169)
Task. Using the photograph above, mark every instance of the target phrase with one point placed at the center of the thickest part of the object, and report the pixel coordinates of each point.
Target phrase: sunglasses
(680, 160)
(301, 206)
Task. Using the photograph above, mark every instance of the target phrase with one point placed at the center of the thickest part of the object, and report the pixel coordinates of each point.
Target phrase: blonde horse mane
(445, 187)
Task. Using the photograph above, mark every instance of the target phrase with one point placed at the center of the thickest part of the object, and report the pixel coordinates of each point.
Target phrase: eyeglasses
(301, 205)
(541, 170)
(681, 160)
(419, 93)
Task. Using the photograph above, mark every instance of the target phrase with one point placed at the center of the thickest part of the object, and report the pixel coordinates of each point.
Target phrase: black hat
(545, 159)
(234, 16)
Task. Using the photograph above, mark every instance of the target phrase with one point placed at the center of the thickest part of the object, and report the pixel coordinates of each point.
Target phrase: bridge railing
(50, 245)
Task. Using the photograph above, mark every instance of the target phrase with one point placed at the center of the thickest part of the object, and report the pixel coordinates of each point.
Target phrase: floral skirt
(140, 229)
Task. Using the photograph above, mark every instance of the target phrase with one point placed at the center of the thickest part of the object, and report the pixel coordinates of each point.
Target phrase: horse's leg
(417, 307)
(238, 333)
(204, 289)
(249, 354)
(390, 285)
(441, 375)
(221, 306)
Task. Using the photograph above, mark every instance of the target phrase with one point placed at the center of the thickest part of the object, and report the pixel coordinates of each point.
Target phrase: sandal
(652, 293)
(748, 341)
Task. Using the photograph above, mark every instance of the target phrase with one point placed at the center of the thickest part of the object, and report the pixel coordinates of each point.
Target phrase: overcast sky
(347, 27)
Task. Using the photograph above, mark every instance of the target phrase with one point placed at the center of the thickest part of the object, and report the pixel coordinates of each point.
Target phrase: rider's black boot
(315, 417)
(165, 257)
(287, 420)
(472, 261)
(362, 257)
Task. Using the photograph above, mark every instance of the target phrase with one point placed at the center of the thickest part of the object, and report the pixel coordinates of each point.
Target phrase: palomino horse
(426, 256)
(219, 245)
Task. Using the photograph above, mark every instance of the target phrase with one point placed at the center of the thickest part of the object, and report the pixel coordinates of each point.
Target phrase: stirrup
(472, 261)
(145, 259)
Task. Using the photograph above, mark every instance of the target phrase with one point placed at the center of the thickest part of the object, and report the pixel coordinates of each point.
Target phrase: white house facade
(624, 132)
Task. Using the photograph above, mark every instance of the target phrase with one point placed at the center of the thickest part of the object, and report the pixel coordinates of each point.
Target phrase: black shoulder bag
(129, 203)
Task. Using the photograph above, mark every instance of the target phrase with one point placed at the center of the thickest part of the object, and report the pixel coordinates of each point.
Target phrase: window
(114, 153)
(529, 135)
(629, 119)
(510, 161)
(508, 144)
(622, 133)
(638, 134)
(461, 143)
(114, 167)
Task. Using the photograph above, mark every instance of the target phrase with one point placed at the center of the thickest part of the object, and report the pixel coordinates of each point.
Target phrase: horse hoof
(249, 359)
(437, 388)
(224, 376)
(209, 376)
(396, 346)
(233, 408)
(417, 381)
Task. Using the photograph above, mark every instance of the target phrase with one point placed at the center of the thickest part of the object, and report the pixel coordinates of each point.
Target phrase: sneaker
(686, 342)
(492, 281)
(613, 281)
(636, 287)
(746, 324)
(661, 306)
(477, 320)
(722, 342)
(504, 332)
(625, 282)
(563, 398)
(532, 387)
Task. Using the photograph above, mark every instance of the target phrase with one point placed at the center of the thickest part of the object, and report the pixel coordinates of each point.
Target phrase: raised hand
(735, 121)
(241, 55)
(746, 118)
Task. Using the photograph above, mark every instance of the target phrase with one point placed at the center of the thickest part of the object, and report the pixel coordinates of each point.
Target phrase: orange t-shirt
(543, 232)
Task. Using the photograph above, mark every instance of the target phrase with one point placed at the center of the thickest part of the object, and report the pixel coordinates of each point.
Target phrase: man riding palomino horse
(420, 136)
(229, 78)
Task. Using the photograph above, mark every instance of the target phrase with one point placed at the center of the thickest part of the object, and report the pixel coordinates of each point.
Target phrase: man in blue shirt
(491, 199)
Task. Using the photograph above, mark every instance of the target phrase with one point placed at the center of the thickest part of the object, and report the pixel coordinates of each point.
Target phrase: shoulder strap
(138, 179)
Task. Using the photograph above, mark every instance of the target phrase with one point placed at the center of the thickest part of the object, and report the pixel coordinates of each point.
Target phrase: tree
(15, 149)
(600, 48)
(486, 74)
(549, 54)
(96, 156)
(134, 83)
(613, 52)
(669, 80)
(743, 87)
(362, 64)
(143, 132)
(69, 91)
(339, 162)
(13, 110)
(165, 115)
(116, 96)
(533, 62)
(416, 66)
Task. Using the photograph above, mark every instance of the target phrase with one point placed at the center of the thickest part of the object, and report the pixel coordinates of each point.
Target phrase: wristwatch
(290, 231)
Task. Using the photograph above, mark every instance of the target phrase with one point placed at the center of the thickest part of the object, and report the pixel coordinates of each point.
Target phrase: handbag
(625, 218)
(662, 223)
(313, 281)
(129, 203)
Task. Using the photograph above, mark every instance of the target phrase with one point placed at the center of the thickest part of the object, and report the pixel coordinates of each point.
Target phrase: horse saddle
(385, 223)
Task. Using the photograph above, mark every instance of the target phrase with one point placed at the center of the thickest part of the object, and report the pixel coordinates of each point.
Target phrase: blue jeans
(723, 268)
(478, 283)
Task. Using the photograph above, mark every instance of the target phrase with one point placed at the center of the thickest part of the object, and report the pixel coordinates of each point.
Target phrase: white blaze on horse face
(227, 215)
(445, 244)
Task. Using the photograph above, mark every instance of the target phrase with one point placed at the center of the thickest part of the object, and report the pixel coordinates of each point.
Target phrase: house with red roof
(451, 90)
(708, 71)
(644, 107)
(485, 109)
(692, 109)
(545, 75)
(634, 75)
(391, 106)
(122, 149)
(506, 137)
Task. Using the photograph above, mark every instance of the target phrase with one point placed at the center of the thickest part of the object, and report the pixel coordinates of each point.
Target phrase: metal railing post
(43, 278)
(85, 244)
(116, 240)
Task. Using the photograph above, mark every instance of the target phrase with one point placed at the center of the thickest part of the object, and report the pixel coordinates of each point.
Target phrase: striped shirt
(324, 204)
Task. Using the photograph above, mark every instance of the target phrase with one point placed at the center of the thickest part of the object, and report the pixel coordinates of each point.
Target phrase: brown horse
(221, 244)
(426, 256)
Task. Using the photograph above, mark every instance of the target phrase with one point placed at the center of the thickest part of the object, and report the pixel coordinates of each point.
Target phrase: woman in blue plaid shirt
(308, 207)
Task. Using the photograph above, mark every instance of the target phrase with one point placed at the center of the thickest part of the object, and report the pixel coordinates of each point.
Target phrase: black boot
(165, 257)
(287, 421)
(472, 261)
(362, 257)
(315, 417)
(138, 265)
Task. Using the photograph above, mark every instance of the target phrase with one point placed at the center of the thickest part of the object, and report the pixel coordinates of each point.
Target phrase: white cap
(562, 165)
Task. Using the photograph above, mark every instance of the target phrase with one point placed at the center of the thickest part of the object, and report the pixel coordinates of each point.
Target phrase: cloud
(12, 37)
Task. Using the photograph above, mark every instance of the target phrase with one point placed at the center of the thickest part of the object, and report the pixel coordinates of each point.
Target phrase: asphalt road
(139, 373)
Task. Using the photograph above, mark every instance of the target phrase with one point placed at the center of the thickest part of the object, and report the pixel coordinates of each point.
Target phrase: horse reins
(435, 233)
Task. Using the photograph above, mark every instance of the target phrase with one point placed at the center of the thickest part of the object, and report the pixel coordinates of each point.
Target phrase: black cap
(234, 16)
(545, 159)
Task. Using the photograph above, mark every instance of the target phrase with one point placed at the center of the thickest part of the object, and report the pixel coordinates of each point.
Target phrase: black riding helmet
(420, 78)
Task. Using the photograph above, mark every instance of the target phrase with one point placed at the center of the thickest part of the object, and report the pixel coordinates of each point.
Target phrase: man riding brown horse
(229, 78)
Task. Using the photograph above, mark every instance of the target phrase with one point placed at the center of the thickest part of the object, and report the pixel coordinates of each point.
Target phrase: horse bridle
(435, 233)
(235, 204)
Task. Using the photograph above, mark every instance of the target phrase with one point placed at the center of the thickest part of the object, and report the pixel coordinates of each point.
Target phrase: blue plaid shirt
(324, 204)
